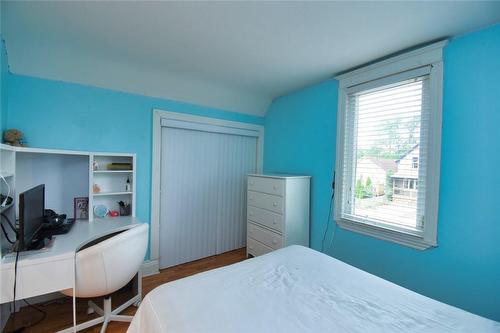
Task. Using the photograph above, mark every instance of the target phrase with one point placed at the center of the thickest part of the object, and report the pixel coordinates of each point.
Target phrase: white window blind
(385, 132)
(389, 148)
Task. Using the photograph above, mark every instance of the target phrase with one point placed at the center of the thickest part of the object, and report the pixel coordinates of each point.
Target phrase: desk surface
(52, 269)
(64, 246)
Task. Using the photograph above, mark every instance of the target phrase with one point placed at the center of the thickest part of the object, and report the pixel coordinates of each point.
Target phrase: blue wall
(69, 116)
(465, 269)
(4, 70)
(300, 138)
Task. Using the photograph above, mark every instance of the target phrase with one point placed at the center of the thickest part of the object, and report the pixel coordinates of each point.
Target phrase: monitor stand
(39, 243)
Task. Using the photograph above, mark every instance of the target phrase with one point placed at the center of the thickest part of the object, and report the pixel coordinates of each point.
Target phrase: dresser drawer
(265, 236)
(256, 248)
(267, 201)
(266, 185)
(265, 217)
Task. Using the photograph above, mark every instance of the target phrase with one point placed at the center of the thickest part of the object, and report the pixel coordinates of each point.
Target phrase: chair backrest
(107, 266)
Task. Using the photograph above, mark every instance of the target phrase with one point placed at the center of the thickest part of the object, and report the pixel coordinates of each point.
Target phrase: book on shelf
(119, 166)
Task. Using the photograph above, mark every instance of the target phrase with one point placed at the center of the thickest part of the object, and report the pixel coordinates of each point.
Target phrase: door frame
(158, 116)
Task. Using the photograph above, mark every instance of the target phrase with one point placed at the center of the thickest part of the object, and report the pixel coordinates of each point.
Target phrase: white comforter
(296, 289)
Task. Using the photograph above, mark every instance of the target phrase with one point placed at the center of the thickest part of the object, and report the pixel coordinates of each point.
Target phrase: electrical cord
(8, 192)
(329, 217)
(11, 226)
(327, 225)
(10, 223)
(44, 314)
(333, 236)
(6, 234)
(15, 282)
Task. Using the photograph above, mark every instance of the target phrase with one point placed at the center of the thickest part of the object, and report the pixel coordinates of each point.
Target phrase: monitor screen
(31, 211)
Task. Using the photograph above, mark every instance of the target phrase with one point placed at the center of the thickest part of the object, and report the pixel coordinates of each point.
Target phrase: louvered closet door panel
(203, 193)
(237, 158)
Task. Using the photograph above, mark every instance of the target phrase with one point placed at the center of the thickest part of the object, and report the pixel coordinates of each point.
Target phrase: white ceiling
(231, 55)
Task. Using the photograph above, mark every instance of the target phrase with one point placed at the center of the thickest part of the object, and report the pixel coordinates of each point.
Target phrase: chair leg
(83, 326)
(107, 315)
(121, 318)
(104, 326)
(94, 308)
(107, 307)
(126, 305)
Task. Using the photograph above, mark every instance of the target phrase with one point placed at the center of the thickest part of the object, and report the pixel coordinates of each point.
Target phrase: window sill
(410, 239)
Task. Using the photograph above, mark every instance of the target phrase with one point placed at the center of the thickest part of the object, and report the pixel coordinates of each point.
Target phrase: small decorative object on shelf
(96, 188)
(100, 211)
(119, 166)
(81, 208)
(113, 213)
(124, 208)
(14, 137)
(95, 166)
(128, 188)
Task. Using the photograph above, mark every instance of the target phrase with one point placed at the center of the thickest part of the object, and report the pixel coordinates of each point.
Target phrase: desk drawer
(266, 185)
(265, 217)
(256, 248)
(266, 237)
(266, 201)
(37, 279)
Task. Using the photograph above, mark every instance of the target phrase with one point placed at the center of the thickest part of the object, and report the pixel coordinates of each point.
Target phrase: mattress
(296, 289)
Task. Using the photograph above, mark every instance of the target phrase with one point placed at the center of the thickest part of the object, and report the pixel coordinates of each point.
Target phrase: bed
(296, 289)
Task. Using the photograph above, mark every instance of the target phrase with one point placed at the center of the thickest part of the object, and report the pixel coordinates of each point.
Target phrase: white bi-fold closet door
(202, 196)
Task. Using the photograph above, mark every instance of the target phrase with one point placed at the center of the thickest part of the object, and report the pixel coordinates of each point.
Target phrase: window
(414, 163)
(388, 148)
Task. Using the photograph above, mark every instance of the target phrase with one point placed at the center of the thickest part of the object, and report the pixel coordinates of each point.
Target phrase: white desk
(47, 271)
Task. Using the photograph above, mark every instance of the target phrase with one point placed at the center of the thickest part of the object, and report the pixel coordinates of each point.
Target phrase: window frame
(414, 163)
(431, 55)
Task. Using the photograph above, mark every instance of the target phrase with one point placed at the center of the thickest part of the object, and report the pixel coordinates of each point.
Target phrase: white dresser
(277, 212)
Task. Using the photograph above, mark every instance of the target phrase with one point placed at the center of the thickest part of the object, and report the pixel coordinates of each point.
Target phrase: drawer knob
(250, 198)
(275, 187)
(250, 247)
(251, 213)
(250, 232)
(274, 221)
(275, 241)
(275, 204)
(251, 183)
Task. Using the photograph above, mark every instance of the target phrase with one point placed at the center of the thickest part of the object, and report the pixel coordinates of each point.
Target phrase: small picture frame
(81, 208)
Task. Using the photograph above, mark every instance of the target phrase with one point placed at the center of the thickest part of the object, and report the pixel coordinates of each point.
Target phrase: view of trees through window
(387, 152)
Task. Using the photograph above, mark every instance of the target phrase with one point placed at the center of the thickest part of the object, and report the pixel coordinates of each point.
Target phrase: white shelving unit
(112, 183)
(67, 174)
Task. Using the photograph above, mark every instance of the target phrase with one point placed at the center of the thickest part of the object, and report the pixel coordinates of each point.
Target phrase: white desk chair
(105, 267)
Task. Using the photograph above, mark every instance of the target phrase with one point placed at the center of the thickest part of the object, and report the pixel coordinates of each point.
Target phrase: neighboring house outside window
(415, 162)
(405, 179)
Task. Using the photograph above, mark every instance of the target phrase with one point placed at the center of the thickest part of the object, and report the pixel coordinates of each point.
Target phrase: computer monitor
(31, 212)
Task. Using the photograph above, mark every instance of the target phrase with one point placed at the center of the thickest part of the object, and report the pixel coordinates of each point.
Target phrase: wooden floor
(59, 313)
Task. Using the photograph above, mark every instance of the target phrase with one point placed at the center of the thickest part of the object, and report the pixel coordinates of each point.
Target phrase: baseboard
(150, 267)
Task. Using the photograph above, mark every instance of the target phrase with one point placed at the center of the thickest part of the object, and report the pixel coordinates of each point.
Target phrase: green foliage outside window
(364, 189)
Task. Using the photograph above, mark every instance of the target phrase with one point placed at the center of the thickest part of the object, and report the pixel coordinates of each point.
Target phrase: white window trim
(430, 55)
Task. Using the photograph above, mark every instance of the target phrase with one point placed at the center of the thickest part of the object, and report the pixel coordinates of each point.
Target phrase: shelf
(113, 171)
(6, 174)
(103, 194)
